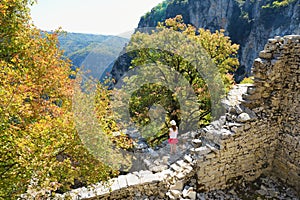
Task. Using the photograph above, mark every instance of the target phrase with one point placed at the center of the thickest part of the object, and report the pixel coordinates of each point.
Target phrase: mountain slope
(247, 22)
(95, 53)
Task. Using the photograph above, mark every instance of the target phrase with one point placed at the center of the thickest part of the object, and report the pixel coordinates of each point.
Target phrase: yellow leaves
(33, 76)
(235, 47)
(176, 23)
(3, 8)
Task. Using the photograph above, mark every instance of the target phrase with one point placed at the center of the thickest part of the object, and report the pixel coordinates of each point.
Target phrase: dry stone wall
(247, 147)
(278, 83)
(259, 134)
(262, 134)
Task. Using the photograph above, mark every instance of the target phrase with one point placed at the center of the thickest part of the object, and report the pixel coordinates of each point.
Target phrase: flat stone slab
(132, 179)
(188, 158)
(175, 167)
(122, 181)
(201, 150)
(114, 184)
(151, 178)
(158, 168)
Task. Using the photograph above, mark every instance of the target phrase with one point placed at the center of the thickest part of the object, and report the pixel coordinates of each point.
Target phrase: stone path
(175, 174)
(160, 159)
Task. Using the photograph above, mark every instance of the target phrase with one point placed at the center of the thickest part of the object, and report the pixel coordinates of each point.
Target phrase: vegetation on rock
(157, 13)
(278, 4)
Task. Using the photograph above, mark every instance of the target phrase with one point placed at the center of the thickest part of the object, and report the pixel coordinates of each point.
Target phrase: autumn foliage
(39, 146)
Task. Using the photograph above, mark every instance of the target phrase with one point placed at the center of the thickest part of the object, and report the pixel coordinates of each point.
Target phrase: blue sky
(108, 17)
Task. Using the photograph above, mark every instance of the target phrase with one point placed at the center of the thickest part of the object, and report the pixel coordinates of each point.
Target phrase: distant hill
(95, 53)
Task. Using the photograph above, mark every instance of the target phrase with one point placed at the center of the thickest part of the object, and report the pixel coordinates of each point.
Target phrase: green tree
(277, 4)
(96, 124)
(180, 47)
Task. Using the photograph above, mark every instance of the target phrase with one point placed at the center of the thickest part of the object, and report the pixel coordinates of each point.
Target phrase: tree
(178, 56)
(39, 145)
(277, 4)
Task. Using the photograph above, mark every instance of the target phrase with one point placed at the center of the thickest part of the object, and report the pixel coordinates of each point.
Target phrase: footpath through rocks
(157, 174)
(159, 158)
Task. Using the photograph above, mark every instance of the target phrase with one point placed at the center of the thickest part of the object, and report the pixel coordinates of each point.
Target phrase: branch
(8, 168)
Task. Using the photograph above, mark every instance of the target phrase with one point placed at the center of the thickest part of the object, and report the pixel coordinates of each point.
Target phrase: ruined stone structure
(262, 134)
(277, 103)
(259, 134)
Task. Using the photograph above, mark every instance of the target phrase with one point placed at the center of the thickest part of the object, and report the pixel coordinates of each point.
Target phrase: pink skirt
(173, 141)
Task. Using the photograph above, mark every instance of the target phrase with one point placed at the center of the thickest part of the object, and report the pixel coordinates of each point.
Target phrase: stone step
(213, 149)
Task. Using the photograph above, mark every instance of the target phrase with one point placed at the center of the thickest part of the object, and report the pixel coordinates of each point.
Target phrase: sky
(106, 17)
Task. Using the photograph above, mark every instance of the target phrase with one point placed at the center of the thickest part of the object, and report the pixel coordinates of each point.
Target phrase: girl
(173, 132)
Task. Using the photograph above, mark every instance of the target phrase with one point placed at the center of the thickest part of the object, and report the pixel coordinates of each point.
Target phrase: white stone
(201, 150)
(184, 193)
(149, 178)
(181, 163)
(175, 167)
(180, 175)
(243, 117)
(132, 179)
(159, 168)
(116, 133)
(197, 141)
(176, 193)
(188, 169)
(165, 173)
(188, 158)
(192, 195)
(114, 184)
(143, 173)
(122, 181)
(171, 197)
(215, 150)
(177, 186)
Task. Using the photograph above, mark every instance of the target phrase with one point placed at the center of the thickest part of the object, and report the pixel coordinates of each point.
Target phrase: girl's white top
(173, 134)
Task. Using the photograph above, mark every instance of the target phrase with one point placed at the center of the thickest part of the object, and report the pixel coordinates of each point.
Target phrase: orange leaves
(35, 100)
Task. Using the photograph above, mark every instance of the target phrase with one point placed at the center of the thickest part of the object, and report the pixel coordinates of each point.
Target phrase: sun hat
(173, 123)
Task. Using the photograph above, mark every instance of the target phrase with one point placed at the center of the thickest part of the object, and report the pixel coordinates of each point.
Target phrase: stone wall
(278, 81)
(259, 134)
(247, 145)
(262, 134)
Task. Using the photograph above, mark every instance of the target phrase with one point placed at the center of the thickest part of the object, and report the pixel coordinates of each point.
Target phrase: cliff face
(247, 22)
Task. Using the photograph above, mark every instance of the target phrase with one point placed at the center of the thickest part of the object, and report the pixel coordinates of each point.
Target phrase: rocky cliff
(247, 22)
